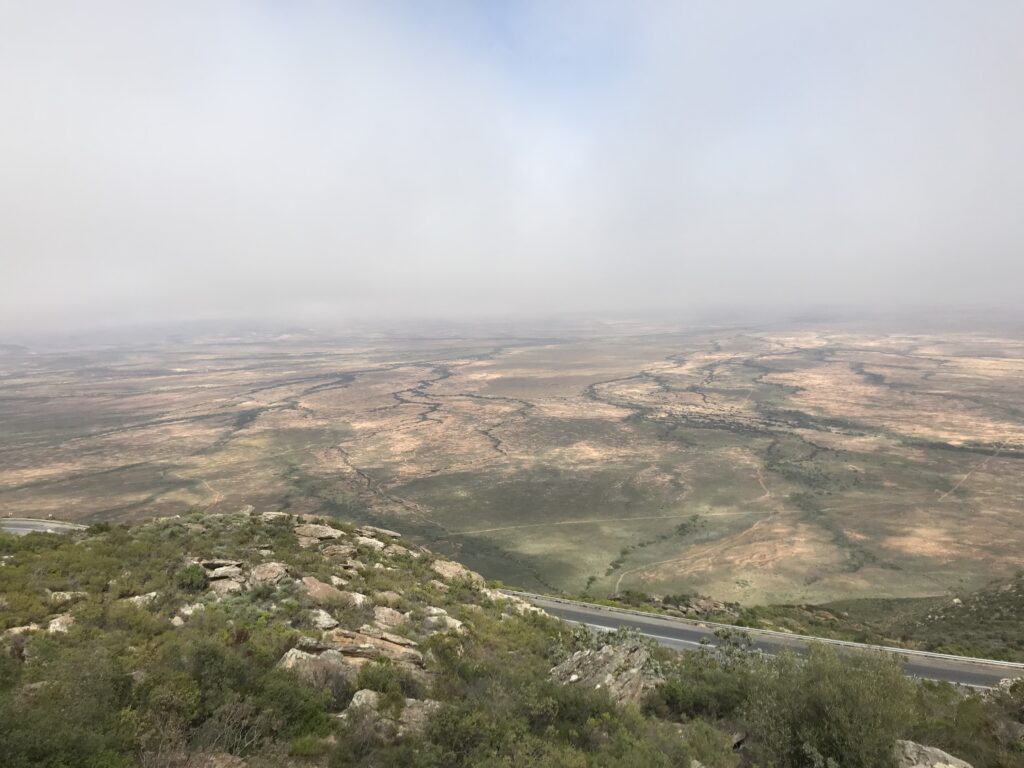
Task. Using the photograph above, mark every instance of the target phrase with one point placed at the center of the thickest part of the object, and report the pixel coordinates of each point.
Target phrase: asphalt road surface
(22, 525)
(685, 635)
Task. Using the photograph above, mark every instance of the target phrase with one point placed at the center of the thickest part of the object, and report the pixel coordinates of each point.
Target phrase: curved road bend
(20, 526)
(683, 635)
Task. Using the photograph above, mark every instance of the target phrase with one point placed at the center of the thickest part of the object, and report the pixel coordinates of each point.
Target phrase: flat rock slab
(322, 592)
(268, 573)
(912, 755)
(214, 562)
(227, 572)
(314, 531)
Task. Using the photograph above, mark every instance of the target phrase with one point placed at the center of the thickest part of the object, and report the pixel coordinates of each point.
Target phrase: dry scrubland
(755, 466)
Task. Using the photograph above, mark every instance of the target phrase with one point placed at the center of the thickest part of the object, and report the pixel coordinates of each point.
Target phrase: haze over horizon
(182, 161)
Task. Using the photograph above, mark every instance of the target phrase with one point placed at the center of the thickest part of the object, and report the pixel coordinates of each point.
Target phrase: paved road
(682, 634)
(22, 525)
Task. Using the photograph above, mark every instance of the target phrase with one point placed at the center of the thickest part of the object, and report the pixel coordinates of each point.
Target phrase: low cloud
(169, 161)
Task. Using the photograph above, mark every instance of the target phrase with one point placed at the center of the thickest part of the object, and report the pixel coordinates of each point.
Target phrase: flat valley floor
(761, 466)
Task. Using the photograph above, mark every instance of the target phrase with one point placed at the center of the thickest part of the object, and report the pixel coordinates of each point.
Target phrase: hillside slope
(261, 640)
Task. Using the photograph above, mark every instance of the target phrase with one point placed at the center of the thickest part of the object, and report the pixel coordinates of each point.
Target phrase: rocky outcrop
(410, 720)
(516, 604)
(322, 593)
(213, 563)
(368, 542)
(320, 667)
(322, 619)
(140, 601)
(452, 571)
(318, 532)
(438, 620)
(60, 624)
(59, 598)
(387, 618)
(227, 572)
(369, 644)
(339, 550)
(912, 755)
(623, 670)
(224, 587)
(268, 573)
(355, 599)
(22, 630)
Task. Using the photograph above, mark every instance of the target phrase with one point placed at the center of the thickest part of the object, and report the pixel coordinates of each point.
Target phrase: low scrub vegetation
(128, 646)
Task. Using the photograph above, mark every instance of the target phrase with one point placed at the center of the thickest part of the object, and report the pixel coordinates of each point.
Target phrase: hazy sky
(184, 160)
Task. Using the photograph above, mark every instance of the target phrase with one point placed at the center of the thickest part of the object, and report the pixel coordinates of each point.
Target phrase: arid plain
(761, 466)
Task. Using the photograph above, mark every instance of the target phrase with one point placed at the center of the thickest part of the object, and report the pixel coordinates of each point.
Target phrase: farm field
(753, 465)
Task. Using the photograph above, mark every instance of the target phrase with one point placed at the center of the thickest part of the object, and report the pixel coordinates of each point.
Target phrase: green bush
(384, 677)
(191, 578)
(848, 710)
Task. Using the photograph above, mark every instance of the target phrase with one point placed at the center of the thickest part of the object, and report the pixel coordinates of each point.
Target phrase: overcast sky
(188, 160)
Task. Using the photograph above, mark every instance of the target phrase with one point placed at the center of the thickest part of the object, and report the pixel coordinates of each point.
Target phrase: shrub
(808, 712)
(191, 578)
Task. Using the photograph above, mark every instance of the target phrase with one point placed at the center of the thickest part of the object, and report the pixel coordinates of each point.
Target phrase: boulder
(379, 634)
(59, 598)
(60, 624)
(320, 592)
(1008, 684)
(452, 571)
(438, 620)
(314, 531)
(516, 604)
(225, 587)
(322, 669)
(339, 550)
(373, 530)
(322, 619)
(622, 670)
(355, 599)
(410, 721)
(140, 601)
(387, 618)
(22, 630)
(268, 573)
(912, 755)
(371, 644)
(395, 550)
(369, 543)
(213, 563)
(227, 572)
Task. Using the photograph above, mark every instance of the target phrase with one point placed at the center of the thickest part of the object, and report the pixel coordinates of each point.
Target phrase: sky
(322, 161)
